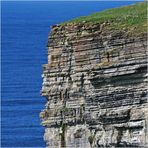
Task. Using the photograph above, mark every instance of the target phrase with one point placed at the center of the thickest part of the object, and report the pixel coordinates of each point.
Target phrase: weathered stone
(95, 83)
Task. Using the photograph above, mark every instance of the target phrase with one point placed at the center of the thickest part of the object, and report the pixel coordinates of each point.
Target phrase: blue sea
(25, 29)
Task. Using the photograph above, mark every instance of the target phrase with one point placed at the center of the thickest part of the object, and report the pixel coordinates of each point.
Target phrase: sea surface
(25, 28)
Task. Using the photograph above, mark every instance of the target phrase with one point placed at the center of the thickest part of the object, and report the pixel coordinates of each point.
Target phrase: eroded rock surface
(96, 88)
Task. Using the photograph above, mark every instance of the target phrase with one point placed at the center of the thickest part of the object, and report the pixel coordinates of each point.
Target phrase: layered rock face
(96, 87)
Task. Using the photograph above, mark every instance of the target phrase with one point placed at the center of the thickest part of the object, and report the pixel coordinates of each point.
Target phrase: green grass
(132, 16)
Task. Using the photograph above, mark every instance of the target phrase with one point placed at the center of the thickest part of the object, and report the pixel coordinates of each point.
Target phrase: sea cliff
(95, 84)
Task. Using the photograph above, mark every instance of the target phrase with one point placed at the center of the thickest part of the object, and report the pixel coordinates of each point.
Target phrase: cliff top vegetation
(131, 16)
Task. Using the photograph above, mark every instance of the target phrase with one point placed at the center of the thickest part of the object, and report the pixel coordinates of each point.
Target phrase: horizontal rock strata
(95, 83)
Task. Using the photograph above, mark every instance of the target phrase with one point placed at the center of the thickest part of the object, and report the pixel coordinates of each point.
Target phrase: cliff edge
(95, 84)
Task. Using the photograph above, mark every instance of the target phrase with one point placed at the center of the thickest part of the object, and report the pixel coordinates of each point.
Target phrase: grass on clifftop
(131, 16)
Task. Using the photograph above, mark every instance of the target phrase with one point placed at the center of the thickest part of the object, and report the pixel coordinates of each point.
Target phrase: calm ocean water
(25, 28)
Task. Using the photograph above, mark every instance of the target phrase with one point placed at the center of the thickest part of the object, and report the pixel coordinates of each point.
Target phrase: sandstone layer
(95, 84)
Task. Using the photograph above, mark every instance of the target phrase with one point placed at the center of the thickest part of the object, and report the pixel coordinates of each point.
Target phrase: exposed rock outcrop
(96, 87)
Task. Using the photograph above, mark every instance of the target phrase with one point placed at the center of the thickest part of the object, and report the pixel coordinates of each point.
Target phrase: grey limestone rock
(95, 84)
